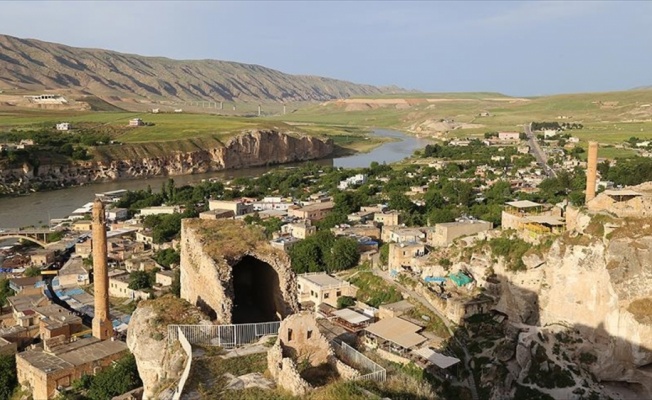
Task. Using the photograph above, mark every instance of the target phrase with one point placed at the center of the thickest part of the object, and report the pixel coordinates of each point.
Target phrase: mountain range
(31, 64)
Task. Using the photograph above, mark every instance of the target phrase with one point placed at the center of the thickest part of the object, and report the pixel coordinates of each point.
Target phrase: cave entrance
(256, 290)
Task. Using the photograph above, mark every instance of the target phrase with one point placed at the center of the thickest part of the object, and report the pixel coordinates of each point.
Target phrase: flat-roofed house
(313, 212)
(59, 363)
(73, 273)
(238, 207)
(320, 288)
(445, 233)
(395, 335)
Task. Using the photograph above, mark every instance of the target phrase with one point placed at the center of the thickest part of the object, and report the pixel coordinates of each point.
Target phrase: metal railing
(187, 348)
(226, 336)
(354, 358)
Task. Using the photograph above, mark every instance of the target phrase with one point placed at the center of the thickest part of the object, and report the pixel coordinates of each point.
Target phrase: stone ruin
(302, 358)
(231, 272)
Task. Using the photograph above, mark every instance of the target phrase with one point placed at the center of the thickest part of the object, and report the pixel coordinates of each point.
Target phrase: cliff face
(249, 149)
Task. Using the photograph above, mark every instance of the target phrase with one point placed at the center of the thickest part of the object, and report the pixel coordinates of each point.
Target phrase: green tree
(140, 280)
(116, 379)
(305, 257)
(8, 377)
(167, 257)
(343, 255)
(5, 292)
(345, 301)
(32, 271)
(384, 253)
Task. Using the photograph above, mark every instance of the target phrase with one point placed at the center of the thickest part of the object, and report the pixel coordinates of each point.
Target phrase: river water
(38, 208)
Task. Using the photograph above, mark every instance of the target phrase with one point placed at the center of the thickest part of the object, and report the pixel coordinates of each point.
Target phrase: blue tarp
(74, 292)
(437, 279)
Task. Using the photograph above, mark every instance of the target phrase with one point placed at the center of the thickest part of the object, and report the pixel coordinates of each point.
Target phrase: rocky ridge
(249, 149)
(36, 65)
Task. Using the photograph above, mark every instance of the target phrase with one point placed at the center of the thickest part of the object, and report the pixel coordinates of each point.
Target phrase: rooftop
(546, 220)
(351, 316)
(438, 359)
(321, 279)
(523, 204)
(397, 330)
(318, 206)
(74, 266)
(70, 355)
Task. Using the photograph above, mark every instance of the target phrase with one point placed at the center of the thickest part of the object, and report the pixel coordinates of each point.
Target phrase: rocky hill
(36, 65)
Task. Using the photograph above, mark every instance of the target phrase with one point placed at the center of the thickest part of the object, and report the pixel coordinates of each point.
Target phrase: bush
(8, 377)
(117, 379)
(345, 301)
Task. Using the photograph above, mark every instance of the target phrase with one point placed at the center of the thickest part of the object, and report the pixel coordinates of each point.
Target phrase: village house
(63, 126)
(313, 212)
(402, 254)
(119, 287)
(164, 278)
(360, 230)
(54, 320)
(216, 214)
(84, 249)
(73, 273)
(58, 363)
(393, 338)
(299, 230)
(445, 233)
(284, 242)
(238, 207)
(354, 180)
(388, 218)
(27, 286)
(141, 264)
(159, 210)
(136, 122)
(42, 257)
(402, 234)
(117, 214)
(509, 136)
(272, 203)
(81, 225)
(319, 287)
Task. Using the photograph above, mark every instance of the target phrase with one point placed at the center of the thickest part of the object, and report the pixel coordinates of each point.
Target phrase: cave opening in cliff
(256, 290)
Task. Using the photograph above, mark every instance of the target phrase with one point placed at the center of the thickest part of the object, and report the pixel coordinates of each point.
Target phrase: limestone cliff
(160, 363)
(249, 149)
(212, 255)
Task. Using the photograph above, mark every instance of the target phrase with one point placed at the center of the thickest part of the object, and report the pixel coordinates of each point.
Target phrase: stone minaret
(102, 327)
(591, 171)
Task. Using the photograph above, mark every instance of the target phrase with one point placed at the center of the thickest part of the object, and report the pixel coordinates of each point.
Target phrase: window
(309, 334)
(289, 335)
(338, 293)
(326, 295)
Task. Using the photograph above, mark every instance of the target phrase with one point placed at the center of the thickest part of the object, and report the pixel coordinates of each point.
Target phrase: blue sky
(517, 48)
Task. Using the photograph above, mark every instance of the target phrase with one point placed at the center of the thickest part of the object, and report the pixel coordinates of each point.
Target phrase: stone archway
(255, 291)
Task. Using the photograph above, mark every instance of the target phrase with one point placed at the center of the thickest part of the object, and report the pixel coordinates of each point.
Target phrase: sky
(513, 47)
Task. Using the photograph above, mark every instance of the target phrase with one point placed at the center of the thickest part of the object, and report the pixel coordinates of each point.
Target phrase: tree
(167, 257)
(5, 292)
(175, 288)
(116, 379)
(345, 301)
(343, 255)
(140, 280)
(32, 272)
(8, 377)
(384, 253)
(305, 257)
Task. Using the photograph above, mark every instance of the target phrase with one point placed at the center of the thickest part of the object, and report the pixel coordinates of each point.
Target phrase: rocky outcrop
(211, 250)
(249, 149)
(160, 363)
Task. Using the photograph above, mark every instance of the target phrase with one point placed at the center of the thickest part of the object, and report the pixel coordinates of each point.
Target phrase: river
(38, 208)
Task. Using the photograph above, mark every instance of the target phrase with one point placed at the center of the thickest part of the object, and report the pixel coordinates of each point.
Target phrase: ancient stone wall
(209, 252)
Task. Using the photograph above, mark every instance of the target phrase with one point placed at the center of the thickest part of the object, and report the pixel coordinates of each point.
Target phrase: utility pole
(259, 110)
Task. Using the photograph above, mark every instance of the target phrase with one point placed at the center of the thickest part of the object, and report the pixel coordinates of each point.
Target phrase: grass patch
(374, 290)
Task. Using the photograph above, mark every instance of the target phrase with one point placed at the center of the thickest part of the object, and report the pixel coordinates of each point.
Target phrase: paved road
(449, 326)
(537, 152)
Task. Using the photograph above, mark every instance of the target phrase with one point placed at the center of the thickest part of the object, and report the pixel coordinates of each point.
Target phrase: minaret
(102, 327)
(591, 171)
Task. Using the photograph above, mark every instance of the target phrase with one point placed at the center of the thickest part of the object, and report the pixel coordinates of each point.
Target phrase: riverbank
(37, 208)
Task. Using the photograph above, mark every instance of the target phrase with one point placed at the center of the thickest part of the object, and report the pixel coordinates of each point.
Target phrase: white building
(63, 126)
(358, 179)
(509, 135)
(320, 288)
(158, 210)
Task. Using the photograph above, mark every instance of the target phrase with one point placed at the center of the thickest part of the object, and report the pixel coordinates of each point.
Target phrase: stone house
(164, 278)
(59, 363)
(319, 287)
(445, 233)
(300, 230)
(402, 254)
(27, 286)
(42, 257)
(119, 287)
(238, 207)
(73, 273)
(389, 218)
(81, 225)
(312, 212)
